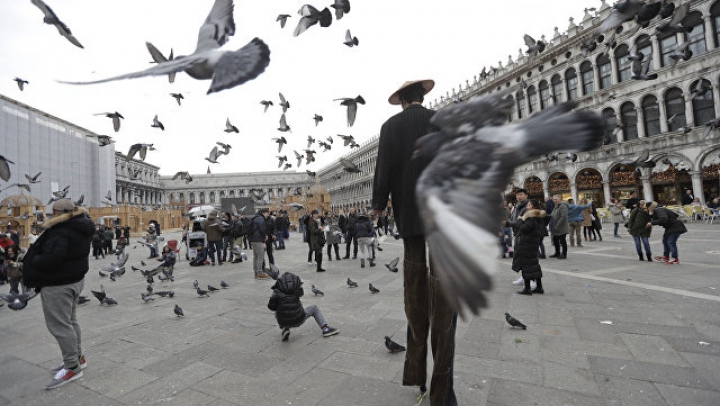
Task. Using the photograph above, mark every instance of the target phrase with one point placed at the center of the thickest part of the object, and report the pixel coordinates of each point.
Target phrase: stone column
(709, 33)
(640, 121)
(663, 117)
(546, 188)
(657, 56)
(606, 191)
(689, 114)
(614, 75)
(697, 186)
(573, 191)
(647, 187)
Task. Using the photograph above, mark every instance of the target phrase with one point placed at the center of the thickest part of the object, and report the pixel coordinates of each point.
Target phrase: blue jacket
(575, 212)
(259, 228)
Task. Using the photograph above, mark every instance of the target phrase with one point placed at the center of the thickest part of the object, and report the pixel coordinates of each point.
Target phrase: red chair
(174, 244)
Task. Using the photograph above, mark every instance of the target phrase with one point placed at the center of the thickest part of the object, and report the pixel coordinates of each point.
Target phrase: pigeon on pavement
(179, 311)
(317, 291)
(373, 289)
(514, 322)
(351, 283)
(202, 292)
(392, 265)
(224, 285)
(212, 288)
(392, 346)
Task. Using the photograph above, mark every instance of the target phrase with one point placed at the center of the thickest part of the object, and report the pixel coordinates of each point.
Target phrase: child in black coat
(289, 312)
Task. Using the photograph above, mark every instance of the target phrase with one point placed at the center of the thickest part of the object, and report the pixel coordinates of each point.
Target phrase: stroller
(195, 237)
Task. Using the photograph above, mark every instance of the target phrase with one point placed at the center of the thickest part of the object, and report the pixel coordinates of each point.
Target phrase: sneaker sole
(331, 334)
(55, 385)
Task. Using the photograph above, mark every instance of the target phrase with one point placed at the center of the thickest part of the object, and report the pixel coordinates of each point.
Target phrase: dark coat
(663, 217)
(285, 301)
(342, 223)
(529, 236)
(60, 254)
(213, 228)
(282, 224)
(316, 234)
(364, 227)
(258, 228)
(396, 172)
(351, 225)
(559, 220)
(637, 225)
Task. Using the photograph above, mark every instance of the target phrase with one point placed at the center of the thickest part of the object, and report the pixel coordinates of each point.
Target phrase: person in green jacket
(638, 228)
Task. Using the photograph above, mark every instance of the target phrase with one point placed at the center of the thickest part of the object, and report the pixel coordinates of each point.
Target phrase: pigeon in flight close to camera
(392, 265)
(158, 57)
(455, 185)
(226, 69)
(5, 168)
(311, 16)
(139, 148)
(184, 175)
(351, 107)
(349, 166)
(341, 8)
(52, 19)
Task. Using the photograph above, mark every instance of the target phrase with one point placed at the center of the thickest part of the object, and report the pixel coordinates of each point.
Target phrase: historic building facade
(138, 182)
(351, 189)
(666, 116)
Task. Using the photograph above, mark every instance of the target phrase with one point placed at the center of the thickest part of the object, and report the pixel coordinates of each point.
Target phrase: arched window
(667, 46)
(232, 193)
(191, 195)
(532, 99)
(696, 36)
(544, 94)
(610, 122)
(182, 196)
(212, 197)
(557, 88)
(520, 103)
(703, 105)
(623, 63)
(675, 109)
(588, 77)
(651, 115)
(605, 69)
(572, 84)
(715, 14)
(628, 117)
(202, 197)
(644, 46)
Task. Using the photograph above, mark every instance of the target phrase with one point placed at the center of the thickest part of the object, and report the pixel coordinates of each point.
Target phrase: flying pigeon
(699, 89)
(624, 10)
(115, 119)
(296, 206)
(642, 161)
(139, 148)
(21, 83)
(680, 52)
(514, 322)
(667, 9)
(284, 103)
(179, 311)
(455, 184)
(310, 173)
(20, 185)
(351, 107)
(281, 159)
(350, 40)
(571, 156)
(280, 141)
(341, 7)
(348, 139)
(227, 69)
(284, 127)
(178, 97)
(18, 301)
(104, 140)
(266, 103)
(309, 156)
(392, 265)
(299, 158)
(640, 70)
(351, 283)
(311, 16)
(349, 166)
(534, 47)
(326, 147)
(158, 57)
(675, 25)
(373, 289)
(310, 140)
(710, 126)
(283, 19)
(184, 176)
(392, 346)
(157, 124)
(317, 119)
(229, 128)
(52, 19)
(5, 168)
(317, 291)
(135, 175)
(212, 158)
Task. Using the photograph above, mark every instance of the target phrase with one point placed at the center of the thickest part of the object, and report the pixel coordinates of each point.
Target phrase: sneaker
(329, 331)
(81, 360)
(519, 282)
(285, 334)
(261, 276)
(673, 261)
(662, 259)
(64, 376)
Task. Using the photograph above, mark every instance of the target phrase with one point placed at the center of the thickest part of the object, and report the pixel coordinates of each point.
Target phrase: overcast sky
(448, 41)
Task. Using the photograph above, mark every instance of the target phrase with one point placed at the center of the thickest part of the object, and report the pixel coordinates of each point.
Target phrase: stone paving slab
(227, 350)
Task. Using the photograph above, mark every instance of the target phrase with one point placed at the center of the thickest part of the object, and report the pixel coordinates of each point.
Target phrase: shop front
(534, 186)
(559, 184)
(625, 179)
(710, 169)
(669, 179)
(589, 186)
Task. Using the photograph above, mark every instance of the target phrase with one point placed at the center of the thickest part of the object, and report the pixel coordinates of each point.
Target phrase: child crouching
(285, 302)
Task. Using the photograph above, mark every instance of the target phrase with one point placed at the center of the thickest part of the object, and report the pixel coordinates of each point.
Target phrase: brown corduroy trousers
(427, 312)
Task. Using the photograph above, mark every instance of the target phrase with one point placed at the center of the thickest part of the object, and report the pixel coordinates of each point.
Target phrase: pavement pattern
(227, 348)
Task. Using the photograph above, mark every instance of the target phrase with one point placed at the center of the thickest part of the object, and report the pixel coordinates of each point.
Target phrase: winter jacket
(108, 234)
(212, 227)
(616, 213)
(332, 235)
(245, 224)
(60, 255)
(518, 210)
(282, 224)
(396, 172)
(587, 220)
(559, 220)
(342, 223)
(575, 212)
(258, 228)
(668, 220)
(364, 227)
(285, 301)
(14, 271)
(352, 220)
(529, 236)
(637, 225)
(316, 234)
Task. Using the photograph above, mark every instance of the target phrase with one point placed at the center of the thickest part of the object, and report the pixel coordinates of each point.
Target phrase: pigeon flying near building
(351, 107)
(52, 19)
(115, 119)
(142, 149)
(455, 185)
(349, 166)
(21, 83)
(226, 69)
(184, 176)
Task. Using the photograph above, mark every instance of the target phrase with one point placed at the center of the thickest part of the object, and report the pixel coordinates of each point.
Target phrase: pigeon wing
(238, 67)
(155, 53)
(529, 41)
(143, 152)
(133, 150)
(679, 14)
(218, 27)
(349, 164)
(351, 113)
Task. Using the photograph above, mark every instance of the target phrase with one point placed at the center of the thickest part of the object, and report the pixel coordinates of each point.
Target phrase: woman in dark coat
(529, 232)
(639, 230)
